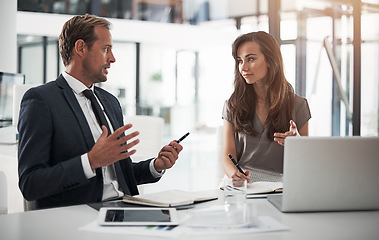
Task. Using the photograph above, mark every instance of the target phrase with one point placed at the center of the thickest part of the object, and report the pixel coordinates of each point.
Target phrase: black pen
(236, 164)
(182, 138)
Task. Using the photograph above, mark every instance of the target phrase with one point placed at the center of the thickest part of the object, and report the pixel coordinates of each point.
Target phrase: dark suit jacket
(53, 134)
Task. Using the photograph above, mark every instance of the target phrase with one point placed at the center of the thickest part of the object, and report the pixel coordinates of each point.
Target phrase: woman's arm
(293, 131)
(304, 130)
(229, 147)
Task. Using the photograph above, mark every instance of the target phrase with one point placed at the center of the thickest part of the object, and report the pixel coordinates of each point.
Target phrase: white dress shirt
(111, 189)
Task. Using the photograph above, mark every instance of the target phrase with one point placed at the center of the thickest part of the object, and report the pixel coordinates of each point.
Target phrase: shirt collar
(76, 85)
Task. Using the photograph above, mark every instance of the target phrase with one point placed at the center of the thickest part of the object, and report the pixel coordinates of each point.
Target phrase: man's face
(99, 57)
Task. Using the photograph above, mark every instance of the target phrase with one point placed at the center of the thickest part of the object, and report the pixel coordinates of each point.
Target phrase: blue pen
(236, 164)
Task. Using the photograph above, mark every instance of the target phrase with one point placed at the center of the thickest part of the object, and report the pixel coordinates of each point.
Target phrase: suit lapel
(73, 102)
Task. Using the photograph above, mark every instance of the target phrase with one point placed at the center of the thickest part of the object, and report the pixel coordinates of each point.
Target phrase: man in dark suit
(66, 156)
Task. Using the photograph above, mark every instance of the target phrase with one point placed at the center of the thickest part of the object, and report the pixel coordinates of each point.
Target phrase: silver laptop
(329, 174)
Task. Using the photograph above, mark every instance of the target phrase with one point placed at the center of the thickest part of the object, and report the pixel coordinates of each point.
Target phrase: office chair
(18, 92)
(219, 168)
(151, 137)
(3, 194)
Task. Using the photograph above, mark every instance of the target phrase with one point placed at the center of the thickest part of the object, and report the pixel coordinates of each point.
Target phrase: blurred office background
(173, 60)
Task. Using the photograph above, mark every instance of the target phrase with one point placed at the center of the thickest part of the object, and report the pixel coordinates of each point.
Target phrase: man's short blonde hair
(79, 27)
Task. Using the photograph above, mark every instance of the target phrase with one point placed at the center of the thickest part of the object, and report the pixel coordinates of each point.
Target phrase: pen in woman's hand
(236, 164)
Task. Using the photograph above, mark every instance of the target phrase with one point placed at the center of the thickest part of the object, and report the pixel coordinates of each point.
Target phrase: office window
(39, 58)
(186, 70)
(216, 84)
(157, 77)
(31, 61)
(122, 76)
(319, 76)
(54, 65)
(370, 75)
(289, 62)
(254, 23)
(288, 25)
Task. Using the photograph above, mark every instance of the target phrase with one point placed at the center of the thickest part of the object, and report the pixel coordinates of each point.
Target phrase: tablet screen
(137, 216)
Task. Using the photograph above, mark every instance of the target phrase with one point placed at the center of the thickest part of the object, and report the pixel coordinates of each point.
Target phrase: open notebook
(170, 198)
(261, 188)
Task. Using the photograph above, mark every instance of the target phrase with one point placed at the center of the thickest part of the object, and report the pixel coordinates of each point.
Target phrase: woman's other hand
(280, 137)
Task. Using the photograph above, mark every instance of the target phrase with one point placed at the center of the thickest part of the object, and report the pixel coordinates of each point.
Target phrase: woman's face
(251, 62)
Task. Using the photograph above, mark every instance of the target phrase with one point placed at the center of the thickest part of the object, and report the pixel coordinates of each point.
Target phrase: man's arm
(40, 174)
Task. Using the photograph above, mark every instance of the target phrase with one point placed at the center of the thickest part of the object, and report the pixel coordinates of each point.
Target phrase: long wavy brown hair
(280, 93)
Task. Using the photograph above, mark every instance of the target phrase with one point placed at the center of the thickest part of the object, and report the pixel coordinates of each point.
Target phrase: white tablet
(120, 216)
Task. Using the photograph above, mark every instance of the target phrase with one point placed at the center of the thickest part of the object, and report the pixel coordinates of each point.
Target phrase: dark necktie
(100, 117)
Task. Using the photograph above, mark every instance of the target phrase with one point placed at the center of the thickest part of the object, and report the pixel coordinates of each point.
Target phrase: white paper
(131, 230)
(215, 226)
(213, 220)
(264, 224)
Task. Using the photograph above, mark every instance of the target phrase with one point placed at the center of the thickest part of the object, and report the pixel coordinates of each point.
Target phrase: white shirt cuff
(87, 167)
(153, 171)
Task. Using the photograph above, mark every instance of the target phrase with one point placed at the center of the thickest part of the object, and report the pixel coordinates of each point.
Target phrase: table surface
(64, 223)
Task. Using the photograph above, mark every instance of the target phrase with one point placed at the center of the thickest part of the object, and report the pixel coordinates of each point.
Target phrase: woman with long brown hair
(263, 109)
